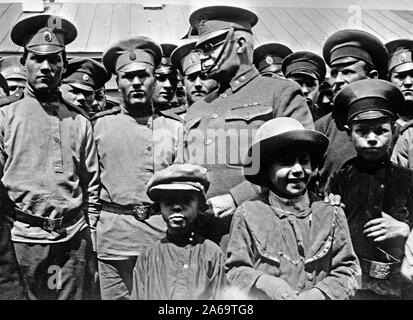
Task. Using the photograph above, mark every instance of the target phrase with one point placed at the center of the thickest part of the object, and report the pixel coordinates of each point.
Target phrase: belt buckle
(380, 270)
(52, 224)
(141, 213)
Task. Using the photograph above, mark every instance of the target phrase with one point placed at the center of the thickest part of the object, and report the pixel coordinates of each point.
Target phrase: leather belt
(47, 223)
(379, 270)
(140, 212)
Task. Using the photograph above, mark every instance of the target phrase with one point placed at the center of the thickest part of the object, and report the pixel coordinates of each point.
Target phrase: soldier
(269, 57)
(132, 144)
(180, 94)
(12, 70)
(231, 113)
(401, 75)
(325, 99)
(82, 77)
(103, 101)
(308, 70)
(49, 168)
(166, 80)
(352, 55)
(186, 59)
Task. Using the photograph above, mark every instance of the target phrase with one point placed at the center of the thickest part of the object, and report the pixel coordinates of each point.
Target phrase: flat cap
(305, 62)
(186, 59)
(400, 54)
(216, 20)
(367, 99)
(184, 177)
(85, 74)
(344, 45)
(166, 66)
(269, 56)
(11, 68)
(136, 53)
(43, 34)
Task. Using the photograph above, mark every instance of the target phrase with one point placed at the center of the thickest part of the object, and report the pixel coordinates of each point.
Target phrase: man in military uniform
(308, 70)
(218, 128)
(268, 58)
(132, 143)
(12, 70)
(325, 98)
(166, 80)
(103, 101)
(180, 94)
(186, 59)
(49, 168)
(352, 55)
(401, 75)
(82, 77)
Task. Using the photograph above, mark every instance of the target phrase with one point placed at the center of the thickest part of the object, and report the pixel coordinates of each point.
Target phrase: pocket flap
(250, 113)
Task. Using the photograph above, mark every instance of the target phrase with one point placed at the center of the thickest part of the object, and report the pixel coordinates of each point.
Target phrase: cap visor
(45, 50)
(81, 86)
(370, 115)
(211, 35)
(158, 192)
(306, 72)
(134, 66)
(403, 67)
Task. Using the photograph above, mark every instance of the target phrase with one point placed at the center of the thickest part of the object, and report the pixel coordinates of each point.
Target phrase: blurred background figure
(12, 70)
(268, 58)
(308, 70)
(166, 77)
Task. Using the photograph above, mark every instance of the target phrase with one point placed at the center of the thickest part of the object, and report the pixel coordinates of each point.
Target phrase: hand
(407, 270)
(385, 228)
(222, 205)
(94, 239)
(333, 199)
(275, 288)
(312, 294)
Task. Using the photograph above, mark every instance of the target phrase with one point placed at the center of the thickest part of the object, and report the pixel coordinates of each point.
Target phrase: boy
(377, 194)
(183, 265)
(289, 245)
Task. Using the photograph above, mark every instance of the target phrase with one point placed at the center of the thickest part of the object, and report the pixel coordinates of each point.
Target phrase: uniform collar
(50, 101)
(145, 120)
(371, 166)
(299, 206)
(245, 75)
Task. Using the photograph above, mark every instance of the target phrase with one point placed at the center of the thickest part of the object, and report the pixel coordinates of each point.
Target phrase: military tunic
(49, 166)
(130, 150)
(219, 128)
(368, 188)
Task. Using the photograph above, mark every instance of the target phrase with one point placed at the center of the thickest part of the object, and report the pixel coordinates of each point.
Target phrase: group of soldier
(75, 162)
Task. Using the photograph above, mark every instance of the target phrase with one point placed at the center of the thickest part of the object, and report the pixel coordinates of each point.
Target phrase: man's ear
(241, 42)
(348, 131)
(373, 74)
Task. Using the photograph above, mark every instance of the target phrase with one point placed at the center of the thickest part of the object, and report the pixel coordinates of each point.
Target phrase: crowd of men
(75, 162)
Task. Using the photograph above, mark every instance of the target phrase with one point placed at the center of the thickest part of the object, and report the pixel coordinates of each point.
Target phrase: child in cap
(183, 265)
(377, 194)
(291, 245)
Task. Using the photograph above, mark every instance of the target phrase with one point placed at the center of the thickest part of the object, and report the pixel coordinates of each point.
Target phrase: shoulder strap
(19, 94)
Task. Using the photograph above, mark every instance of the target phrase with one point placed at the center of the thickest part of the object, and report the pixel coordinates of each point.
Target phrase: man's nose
(45, 65)
(372, 138)
(304, 90)
(136, 81)
(408, 82)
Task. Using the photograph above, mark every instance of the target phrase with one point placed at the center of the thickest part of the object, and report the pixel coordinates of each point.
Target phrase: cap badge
(192, 59)
(132, 56)
(85, 77)
(47, 36)
(402, 58)
(269, 60)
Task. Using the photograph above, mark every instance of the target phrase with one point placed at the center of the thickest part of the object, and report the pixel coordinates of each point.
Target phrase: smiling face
(136, 86)
(290, 172)
(371, 138)
(179, 210)
(44, 72)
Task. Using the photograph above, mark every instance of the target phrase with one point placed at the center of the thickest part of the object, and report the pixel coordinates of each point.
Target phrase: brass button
(214, 116)
(208, 141)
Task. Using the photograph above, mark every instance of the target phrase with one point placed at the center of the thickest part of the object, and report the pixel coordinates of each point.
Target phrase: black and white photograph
(206, 155)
